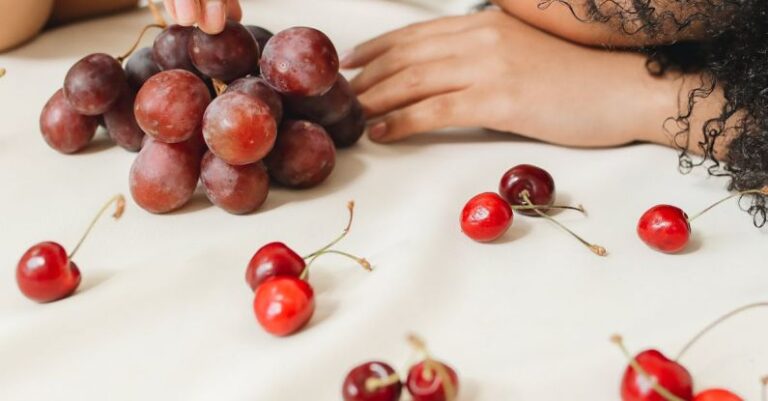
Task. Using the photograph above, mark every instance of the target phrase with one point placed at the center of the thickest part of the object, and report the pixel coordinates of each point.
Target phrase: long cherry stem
(157, 14)
(596, 249)
(763, 191)
(351, 209)
(716, 323)
(119, 201)
(661, 390)
(130, 51)
(432, 367)
(579, 208)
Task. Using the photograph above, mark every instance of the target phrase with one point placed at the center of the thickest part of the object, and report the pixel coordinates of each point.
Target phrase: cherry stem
(596, 249)
(314, 255)
(432, 367)
(763, 191)
(2, 72)
(130, 51)
(579, 208)
(119, 201)
(616, 339)
(716, 323)
(219, 86)
(373, 384)
(157, 14)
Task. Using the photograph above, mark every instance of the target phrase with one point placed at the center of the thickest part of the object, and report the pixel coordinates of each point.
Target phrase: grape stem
(219, 86)
(716, 323)
(658, 388)
(763, 191)
(119, 201)
(130, 51)
(157, 14)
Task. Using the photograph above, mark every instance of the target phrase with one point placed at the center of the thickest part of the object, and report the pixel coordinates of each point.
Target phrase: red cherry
(538, 183)
(717, 395)
(273, 259)
(283, 305)
(372, 381)
(665, 228)
(664, 372)
(45, 273)
(486, 217)
(425, 382)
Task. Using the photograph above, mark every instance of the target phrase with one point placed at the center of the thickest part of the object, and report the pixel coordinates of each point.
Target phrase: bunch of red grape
(230, 111)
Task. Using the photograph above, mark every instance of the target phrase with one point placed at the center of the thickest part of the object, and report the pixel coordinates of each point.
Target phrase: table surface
(164, 313)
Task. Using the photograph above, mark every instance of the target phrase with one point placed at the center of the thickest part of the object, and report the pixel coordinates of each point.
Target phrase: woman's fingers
(187, 11)
(234, 10)
(416, 83)
(428, 115)
(210, 15)
(399, 57)
(213, 16)
(366, 52)
(170, 5)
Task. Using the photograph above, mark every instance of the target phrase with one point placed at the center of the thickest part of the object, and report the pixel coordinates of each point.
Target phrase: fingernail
(346, 57)
(186, 12)
(215, 16)
(378, 130)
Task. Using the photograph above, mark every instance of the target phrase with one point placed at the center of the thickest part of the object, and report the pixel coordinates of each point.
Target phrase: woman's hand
(493, 71)
(210, 15)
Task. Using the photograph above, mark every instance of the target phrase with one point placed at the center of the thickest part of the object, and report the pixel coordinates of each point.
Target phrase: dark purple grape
(164, 176)
(231, 54)
(171, 104)
(170, 49)
(303, 155)
(300, 62)
(348, 131)
(63, 128)
(258, 87)
(325, 109)
(239, 128)
(140, 67)
(93, 84)
(261, 35)
(121, 122)
(236, 189)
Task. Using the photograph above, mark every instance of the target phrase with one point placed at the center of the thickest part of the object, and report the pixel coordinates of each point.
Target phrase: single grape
(300, 62)
(261, 35)
(121, 122)
(348, 131)
(93, 84)
(239, 128)
(258, 87)
(63, 128)
(325, 109)
(140, 67)
(303, 155)
(170, 49)
(236, 189)
(164, 176)
(171, 104)
(231, 54)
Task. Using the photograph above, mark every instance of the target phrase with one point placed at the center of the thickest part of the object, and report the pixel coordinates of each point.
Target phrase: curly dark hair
(730, 51)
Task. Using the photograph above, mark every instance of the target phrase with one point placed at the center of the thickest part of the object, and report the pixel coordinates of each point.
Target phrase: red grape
(140, 67)
(93, 84)
(171, 104)
(257, 87)
(300, 62)
(261, 35)
(303, 155)
(231, 54)
(236, 189)
(348, 131)
(170, 49)
(63, 128)
(164, 175)
(121, 122)
(325, 109)
(239, 128)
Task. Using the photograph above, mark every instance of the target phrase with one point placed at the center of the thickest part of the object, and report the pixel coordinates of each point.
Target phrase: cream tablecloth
(164, 313)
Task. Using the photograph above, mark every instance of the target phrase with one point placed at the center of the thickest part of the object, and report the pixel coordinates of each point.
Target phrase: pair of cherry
(667, 228)
(428, 380)
(526, 188)
(46, 273)
(651, 376)
(284, 301)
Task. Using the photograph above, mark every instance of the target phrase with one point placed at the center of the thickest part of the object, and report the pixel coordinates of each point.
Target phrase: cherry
(46, 273)
(284, 304)
(372, 381)
(538, 183)
(667, 228)
(717, 395)
(273, 259)
(651, 376)
(486, 217)
(431, 380)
